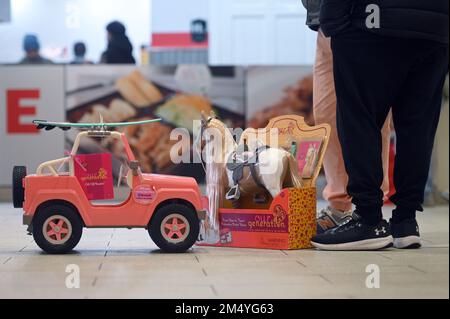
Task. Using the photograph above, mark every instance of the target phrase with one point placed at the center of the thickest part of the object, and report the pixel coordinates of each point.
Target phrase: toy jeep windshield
(57, 208)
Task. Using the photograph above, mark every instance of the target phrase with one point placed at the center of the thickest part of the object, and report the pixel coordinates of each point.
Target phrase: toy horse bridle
(234, 165)
(204, 124)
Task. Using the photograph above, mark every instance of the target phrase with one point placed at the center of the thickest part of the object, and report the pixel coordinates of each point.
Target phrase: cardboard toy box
(287, 221)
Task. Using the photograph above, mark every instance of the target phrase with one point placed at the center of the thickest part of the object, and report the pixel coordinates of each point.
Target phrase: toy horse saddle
(236, 163)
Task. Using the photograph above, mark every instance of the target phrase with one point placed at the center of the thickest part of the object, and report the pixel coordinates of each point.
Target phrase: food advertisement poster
(177, 95)
(272, 91)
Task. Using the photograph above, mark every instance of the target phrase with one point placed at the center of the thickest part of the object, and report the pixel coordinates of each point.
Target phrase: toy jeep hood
(170, 181)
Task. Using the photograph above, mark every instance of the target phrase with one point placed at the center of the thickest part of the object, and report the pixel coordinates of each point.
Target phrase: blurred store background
(59, 24)
(248, 60)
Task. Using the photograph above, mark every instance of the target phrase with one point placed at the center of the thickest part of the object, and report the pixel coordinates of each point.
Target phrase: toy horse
(231, 169)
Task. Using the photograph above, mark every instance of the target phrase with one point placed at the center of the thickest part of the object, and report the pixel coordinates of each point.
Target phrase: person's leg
(413, 75)
(386, 141)
(324, 107)
(368, 73)
(416, 115)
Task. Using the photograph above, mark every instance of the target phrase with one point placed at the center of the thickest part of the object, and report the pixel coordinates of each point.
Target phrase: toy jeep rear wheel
(57, 229)
(174, 228)
(19, 173)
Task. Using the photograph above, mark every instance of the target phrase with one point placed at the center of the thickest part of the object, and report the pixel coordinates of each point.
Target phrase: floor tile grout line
(387, 257)
(213, 289)
(107, 249)
(417, 269)
(326, 279)
(443, 246)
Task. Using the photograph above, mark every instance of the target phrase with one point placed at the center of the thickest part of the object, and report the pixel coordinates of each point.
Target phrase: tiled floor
(126, 264)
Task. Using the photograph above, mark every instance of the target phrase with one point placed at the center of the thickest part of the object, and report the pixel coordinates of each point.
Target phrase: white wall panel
(260, 32)
(19, 146)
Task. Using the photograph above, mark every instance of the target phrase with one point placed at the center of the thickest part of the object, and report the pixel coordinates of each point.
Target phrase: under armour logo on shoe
(380, 231)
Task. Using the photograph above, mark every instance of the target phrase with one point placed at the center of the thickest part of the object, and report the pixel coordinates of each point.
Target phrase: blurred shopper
(31, 47)
(324, 106)
(119, 48)
(396, 56)
(79, 52)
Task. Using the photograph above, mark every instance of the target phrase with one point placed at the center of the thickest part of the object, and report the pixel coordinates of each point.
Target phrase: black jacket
(119, 50)
(419, 19)
(312, 13)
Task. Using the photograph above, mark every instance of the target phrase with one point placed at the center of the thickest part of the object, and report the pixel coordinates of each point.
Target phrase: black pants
(372, 75)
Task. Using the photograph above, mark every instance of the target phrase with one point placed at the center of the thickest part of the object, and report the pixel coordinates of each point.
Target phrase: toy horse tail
(296, 179)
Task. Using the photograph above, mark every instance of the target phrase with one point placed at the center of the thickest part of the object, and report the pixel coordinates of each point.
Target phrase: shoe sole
(409, 242)
(368, 244)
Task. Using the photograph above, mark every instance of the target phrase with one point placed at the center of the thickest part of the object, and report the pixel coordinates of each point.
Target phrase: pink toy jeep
(56, 207)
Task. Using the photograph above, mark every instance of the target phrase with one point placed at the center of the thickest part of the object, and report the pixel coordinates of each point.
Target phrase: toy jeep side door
(130, 213)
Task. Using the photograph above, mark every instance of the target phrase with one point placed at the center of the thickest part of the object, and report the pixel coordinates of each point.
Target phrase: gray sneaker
(330, 218)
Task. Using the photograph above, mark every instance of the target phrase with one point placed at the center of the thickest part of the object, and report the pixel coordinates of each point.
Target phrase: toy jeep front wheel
(174, 228)
(57, 229)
